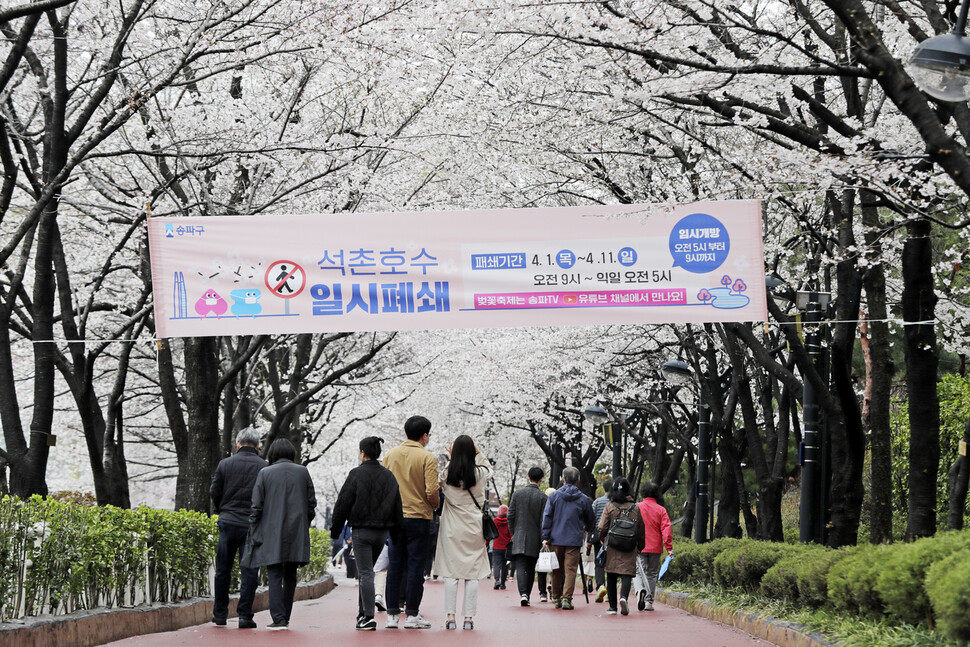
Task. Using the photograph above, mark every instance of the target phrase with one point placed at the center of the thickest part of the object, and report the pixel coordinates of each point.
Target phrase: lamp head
(677, 371)
(940, 66)
(596, 414)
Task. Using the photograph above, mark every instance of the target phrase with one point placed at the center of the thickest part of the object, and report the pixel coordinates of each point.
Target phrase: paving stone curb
(100, 626)
(774, 630)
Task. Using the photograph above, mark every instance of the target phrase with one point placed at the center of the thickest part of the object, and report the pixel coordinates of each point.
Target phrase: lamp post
(612, 435)
(940, 66)
(813, 452)
(678, 372)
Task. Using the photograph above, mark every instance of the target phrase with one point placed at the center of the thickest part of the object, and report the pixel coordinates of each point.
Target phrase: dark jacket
(568, 516)
(525, 520)
(283, 507)
(231, 491)
(369, 498)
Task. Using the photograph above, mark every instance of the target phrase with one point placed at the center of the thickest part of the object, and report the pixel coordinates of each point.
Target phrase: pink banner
(236, 275)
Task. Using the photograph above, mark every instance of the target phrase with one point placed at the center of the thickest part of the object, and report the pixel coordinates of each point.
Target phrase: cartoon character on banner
(246, 302)
(211, 303)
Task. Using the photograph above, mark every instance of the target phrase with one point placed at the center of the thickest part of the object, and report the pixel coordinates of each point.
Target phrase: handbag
(548, 562)
(489, 529)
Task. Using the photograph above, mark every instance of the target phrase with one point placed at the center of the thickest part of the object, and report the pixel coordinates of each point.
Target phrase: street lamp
(612, 435)
(676, 371)
(813, 451)
(940, 66)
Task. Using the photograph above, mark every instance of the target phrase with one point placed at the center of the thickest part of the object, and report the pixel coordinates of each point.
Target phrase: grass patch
(839, 628)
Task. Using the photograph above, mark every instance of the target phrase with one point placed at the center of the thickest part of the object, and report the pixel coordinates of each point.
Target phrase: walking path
(500, 622)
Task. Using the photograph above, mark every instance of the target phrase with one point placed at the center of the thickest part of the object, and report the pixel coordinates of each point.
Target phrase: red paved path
(501, 622)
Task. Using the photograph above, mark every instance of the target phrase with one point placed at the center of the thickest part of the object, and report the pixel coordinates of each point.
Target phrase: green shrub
(686, 561)
(851, 586)
(900, 581)
(781, 580)
(812, 575)
(948, 588)
(745, 564)
(60, 556)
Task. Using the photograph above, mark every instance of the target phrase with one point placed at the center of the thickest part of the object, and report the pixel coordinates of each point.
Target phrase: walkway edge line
(774, 630)
(99, 626)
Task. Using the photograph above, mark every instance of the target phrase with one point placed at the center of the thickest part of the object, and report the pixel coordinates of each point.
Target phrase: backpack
(622, 535)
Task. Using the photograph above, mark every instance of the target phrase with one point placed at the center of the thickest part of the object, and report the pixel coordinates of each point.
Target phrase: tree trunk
(728, 522)
(879, 376)
(959, 479)
(922, 360)
(846, 441)
(202, 409)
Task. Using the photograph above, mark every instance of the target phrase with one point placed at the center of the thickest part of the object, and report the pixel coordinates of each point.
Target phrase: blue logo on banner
(627, 256)
(699, 243)
(565, 259)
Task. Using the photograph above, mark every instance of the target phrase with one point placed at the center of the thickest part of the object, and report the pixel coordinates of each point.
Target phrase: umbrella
(663, 567)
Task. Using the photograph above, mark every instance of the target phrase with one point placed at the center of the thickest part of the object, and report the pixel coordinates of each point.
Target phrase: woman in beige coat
(461, 552)
(620, 565)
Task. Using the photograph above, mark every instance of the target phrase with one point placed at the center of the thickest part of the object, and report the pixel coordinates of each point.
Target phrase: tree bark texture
(922, 360)
(879, 377)
(959, 480)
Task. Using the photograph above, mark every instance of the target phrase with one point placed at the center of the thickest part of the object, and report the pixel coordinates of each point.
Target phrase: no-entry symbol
(285, 279)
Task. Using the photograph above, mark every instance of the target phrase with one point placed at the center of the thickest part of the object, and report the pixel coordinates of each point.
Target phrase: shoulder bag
(489, 529)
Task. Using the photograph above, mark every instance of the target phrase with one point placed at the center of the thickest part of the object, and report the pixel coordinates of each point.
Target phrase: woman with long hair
(461, 552)
(283, 507)
(621, 561)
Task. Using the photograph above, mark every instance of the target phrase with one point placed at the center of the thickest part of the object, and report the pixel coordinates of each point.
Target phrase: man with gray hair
(566, 520)
(232, 499)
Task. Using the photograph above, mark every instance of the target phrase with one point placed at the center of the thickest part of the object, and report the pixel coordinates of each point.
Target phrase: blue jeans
(231, 541)
(406, 559)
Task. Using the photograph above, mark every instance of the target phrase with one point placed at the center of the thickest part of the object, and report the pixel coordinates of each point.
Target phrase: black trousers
(525, 573)
(231, 541)
(625, 582)
(282, 586)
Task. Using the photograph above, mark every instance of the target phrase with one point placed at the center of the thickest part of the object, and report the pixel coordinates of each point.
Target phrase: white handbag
(548, 562)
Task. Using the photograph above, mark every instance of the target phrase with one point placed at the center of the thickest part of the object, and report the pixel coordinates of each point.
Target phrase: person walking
(525, 524)
(500, 547)
(416, 472)
(370, 503)
(621, 560)
(658, 537)
(567, 517)
(231, 493)
(462, 552)
(599, 504)
(283, 507)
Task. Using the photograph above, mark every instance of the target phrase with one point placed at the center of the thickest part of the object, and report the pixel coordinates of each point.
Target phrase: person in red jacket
(656, 524)
(499, 545)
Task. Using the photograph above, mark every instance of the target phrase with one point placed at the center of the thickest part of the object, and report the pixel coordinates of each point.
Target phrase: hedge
(57, 557)
(926, 582)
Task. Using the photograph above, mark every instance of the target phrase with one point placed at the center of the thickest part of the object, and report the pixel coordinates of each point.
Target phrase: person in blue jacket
(567, 518)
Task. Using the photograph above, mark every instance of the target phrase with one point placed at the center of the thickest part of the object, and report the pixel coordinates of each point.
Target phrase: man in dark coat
(232, 497)
(567, 519)
(283, 507)
(370, 502)
(525, 524)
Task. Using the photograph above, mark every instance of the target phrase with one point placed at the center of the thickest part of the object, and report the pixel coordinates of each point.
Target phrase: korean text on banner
(246, 275)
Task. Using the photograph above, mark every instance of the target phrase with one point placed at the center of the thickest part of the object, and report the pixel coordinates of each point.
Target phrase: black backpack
(622, 535)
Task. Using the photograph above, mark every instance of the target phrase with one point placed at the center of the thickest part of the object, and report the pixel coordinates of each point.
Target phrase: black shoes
(247, 623)
(219, 622)
(277, 626)
(365, 623)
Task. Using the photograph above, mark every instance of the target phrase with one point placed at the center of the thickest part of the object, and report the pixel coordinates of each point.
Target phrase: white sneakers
(624, 608)
(391, 622)
(416, 622)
